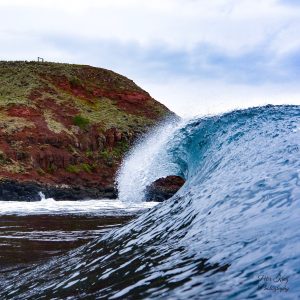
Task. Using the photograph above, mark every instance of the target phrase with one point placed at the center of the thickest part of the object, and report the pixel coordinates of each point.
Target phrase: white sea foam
(88, 207)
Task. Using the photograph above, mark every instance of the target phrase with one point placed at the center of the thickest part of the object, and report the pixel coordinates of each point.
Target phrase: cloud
(227, 24)
(290, 2)
(190, 43)
(159, 62)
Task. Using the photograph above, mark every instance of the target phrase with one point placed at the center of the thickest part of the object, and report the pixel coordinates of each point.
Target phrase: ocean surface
(31, 232)
(231, 232)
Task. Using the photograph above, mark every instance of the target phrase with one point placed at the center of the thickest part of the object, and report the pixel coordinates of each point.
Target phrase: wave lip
(149, 160)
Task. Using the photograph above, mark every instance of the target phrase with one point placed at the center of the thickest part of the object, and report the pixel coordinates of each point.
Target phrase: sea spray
(149, 160)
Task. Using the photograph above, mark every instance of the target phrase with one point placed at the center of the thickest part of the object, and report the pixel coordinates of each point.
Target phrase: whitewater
(96, 207)
(231, 232)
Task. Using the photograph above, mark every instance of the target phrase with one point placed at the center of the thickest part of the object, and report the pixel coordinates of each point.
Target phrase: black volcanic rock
(164, 188)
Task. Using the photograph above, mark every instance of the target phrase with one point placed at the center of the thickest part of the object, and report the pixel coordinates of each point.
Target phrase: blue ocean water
(231, 232)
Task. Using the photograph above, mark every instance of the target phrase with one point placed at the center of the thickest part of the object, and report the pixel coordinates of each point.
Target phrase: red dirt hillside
(65, 128)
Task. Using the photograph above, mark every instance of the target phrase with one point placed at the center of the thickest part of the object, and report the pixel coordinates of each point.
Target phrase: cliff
(65, 128)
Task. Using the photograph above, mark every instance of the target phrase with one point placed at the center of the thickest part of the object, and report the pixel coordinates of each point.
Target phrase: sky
(197, 57)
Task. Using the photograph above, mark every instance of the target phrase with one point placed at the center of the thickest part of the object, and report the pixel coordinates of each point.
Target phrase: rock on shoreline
(164, 188)
(29, 191)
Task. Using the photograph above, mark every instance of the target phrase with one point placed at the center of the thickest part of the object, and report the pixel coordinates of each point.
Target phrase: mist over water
(233, 225)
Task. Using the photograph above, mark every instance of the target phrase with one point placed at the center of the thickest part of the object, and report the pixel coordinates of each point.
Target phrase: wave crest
(235, 219)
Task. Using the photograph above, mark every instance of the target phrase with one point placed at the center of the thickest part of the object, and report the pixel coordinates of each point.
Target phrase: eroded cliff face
(66, 127)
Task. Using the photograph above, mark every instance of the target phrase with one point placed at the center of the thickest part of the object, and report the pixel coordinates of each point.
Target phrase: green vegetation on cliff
(69, 124)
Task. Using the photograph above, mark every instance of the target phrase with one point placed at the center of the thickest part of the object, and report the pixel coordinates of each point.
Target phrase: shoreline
(11, 190)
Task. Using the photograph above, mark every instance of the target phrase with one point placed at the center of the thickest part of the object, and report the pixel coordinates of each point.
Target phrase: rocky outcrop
(164, 188)
(29, 191)
(65, 128)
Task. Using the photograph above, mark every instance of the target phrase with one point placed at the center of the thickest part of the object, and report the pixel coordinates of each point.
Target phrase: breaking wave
(231, 232)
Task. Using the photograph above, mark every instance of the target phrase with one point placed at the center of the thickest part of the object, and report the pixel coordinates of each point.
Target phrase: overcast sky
(196, 57)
